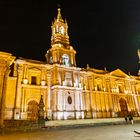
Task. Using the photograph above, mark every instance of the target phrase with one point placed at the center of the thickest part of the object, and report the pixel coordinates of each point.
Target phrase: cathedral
(67, 91)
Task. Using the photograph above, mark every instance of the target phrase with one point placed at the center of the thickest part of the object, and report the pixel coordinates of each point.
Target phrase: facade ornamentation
(67, 91)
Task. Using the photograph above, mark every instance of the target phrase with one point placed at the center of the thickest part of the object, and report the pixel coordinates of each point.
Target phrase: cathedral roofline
(67, 67)
(31, 60)
(7, 57)
(60, 46)
(98, 71)
(119, 73)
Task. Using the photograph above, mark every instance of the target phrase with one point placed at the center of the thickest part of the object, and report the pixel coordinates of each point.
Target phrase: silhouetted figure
(46, 119)
(126, 120)
(131, 119)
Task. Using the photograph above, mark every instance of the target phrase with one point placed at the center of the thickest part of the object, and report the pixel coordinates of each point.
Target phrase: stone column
(64, 105)
(49, 111)
(136, 103)
(6, 59)
(74, 61)
(59, 77)
(70, 59)
(54, 57)
(23, 109)
(90, 96)
(4, 73)
(17, 107)
(44, 99)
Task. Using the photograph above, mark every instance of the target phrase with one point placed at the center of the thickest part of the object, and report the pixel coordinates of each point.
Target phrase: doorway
(123, 107)
(32, 111)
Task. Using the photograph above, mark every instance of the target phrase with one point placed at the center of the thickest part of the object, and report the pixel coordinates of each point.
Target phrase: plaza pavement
(104, 132)
(87, 122)
(65, 124)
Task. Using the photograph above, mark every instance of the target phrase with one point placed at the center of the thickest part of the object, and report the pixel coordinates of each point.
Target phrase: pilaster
(4, 73)
(6, 59)
(18, 101)
(49, 111)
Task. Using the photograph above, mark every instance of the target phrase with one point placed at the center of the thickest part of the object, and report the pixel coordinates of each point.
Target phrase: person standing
(132, 120)
(126, 119)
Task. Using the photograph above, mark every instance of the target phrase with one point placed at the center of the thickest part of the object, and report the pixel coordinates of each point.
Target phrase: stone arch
(65, 59)
(123, 107)
(32, 99)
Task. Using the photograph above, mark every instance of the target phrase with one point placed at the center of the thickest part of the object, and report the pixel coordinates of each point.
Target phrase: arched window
(65, 59)
(56, 29)
(69, 100)
(62, 30)
(51, 60)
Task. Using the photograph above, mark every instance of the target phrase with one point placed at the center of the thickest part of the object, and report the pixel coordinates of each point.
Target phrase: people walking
(131, 119)
(126, 119)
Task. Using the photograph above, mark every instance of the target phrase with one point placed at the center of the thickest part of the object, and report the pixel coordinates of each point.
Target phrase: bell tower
(61, 52)
(60, 31)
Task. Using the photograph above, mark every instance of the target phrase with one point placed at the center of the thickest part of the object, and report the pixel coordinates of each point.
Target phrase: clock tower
(61, 52)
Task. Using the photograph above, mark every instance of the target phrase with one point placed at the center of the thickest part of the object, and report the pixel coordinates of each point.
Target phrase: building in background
(68, 92)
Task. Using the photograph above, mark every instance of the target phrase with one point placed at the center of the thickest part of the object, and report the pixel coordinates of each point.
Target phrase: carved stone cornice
(6, 58)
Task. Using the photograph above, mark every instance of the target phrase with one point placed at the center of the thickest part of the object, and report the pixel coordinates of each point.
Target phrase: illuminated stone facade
(6, 59)
(68, 92)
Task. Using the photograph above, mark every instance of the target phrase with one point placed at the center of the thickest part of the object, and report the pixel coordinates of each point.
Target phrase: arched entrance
(32, 110)
(124, 109)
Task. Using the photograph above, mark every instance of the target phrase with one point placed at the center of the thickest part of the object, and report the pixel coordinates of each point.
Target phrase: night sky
(105, 33)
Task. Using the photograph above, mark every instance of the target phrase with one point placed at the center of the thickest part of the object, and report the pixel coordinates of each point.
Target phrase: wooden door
(32, 110)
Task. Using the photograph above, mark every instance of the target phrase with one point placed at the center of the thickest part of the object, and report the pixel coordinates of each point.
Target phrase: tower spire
(60, 31)
(59, 17)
